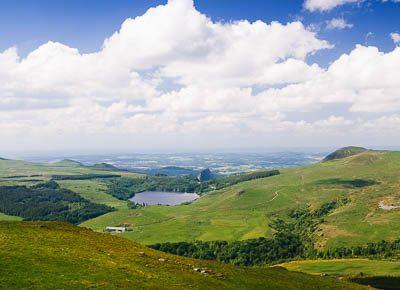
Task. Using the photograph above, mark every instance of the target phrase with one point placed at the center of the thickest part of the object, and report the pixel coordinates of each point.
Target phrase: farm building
(115, 229)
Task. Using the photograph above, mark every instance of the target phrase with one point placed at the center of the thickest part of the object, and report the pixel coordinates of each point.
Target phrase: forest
(48, 202)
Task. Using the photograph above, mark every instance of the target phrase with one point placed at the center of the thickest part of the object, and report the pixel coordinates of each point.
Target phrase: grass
(44, 255)
(93, 190)
(4, 217)
(375, 273)
(346, 267)
(44, 171)
(244, 210)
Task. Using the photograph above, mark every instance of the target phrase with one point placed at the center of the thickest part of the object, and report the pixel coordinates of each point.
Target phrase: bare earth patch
(385, 206)
(328, 232)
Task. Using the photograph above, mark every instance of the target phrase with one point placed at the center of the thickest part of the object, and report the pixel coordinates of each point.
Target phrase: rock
(205, 175)
(161, 260)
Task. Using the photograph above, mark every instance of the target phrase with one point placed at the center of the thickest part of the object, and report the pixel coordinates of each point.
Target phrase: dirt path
(268, 201)
(272, 199)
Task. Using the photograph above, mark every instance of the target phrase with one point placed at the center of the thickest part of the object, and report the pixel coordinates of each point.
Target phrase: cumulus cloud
(326, 5)
(173, 73)
(338, 23)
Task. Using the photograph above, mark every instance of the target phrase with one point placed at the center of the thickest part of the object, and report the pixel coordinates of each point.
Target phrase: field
(346, 267)
(380, 274)
(16, 171)
(93, 190)
(4, 217)
(48, 255)
(245, 210)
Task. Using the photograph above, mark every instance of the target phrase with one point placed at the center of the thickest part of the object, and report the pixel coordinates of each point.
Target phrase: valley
(250, 208)
(332, 208)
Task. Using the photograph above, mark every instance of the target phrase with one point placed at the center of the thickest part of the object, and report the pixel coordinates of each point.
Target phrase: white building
(115, 229)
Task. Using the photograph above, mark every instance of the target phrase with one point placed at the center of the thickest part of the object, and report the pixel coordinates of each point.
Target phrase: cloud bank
(173, 77)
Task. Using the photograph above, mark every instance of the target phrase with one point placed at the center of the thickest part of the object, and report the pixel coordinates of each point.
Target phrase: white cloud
(326, 5)
(338, 23)
(229, 80)
(395, 37)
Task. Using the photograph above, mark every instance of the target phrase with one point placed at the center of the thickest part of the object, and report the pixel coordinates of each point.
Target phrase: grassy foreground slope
(49, 255)
(244, 211)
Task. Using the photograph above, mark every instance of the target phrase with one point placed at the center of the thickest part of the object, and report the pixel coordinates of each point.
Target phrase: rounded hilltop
(344, 152)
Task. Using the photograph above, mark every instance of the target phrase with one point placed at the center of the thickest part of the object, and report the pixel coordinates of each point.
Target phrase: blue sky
(206, 73)
(85, 24)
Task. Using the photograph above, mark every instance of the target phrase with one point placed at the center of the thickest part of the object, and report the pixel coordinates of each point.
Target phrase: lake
(164, 198)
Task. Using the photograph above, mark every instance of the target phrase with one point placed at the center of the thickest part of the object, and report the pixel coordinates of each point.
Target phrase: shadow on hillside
(349, 183)
(386, 283)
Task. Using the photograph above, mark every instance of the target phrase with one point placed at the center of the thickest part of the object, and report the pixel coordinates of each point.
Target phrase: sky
(140, 75)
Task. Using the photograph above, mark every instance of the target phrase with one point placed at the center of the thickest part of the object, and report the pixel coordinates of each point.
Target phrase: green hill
(45, 255)
(344, 152)
(68, 162)
(105, 166)
(369, 181)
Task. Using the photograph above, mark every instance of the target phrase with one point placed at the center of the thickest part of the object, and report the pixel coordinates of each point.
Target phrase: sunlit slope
(60, 256)
(244, 211)
(377, 273)
(346, 267)
(4, 217)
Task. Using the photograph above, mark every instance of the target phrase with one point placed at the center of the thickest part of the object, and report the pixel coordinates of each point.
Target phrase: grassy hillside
(379, 274)
(59, 256)
(93, 190)
(244, 211)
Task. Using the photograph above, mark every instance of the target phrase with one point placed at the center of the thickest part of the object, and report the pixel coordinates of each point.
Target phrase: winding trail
(268, 201)
(272, 199)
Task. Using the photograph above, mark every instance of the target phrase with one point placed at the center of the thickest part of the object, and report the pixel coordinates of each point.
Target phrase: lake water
(164, 198)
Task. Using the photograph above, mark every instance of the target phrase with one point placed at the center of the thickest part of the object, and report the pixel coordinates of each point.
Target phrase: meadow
(346, 267)
(381, 274)
(50, 255)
